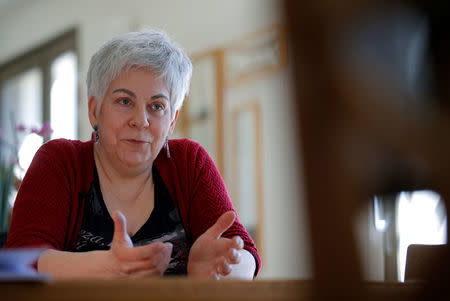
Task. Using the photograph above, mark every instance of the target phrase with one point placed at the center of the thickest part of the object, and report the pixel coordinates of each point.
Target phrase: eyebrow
(160, 96)
(125, 91)
(134, 95)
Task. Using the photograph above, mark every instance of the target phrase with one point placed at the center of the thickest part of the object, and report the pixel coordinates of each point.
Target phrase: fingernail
(227, 268)
(239, 242)
(238, 254)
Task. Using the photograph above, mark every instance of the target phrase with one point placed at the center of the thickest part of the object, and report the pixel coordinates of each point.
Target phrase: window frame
(41, 57)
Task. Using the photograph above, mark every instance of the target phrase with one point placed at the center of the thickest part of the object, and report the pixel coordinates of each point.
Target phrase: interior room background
(238, 108)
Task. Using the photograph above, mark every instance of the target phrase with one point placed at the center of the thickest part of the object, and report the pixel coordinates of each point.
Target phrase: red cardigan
(48, 210)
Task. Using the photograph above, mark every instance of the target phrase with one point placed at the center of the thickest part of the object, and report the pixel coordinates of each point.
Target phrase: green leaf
(6, 184)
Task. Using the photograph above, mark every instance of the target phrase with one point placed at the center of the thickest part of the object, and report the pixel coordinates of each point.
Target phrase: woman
(131, 202)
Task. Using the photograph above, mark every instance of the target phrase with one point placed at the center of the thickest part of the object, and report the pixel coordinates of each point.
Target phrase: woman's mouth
(136, 141)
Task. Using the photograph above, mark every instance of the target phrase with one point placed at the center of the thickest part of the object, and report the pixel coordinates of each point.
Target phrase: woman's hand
(142, 261)
(121, 260)
(213, 256)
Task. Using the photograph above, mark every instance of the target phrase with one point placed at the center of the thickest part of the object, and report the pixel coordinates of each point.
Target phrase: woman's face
(134, 118)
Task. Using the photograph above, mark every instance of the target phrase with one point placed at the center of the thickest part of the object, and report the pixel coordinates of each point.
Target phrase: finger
(156, 266)
(120, 235)
(147, 273)
(224, 245)
(224, 268)
(162, 259)
(129, 268)
(157, 258)
(222, 224)
(213, 274)
(233, 256)
(155, 252)
(238, 243)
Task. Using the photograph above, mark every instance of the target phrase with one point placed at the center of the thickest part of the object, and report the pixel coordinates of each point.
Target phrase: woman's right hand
(121, 260)
(127, 261)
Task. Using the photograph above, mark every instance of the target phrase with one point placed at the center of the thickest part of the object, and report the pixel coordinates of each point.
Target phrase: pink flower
(45, 131)
(14, 161)
(21, 128)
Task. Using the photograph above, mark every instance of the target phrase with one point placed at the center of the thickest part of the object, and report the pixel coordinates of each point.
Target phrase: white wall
(197, 25)
(286, 247)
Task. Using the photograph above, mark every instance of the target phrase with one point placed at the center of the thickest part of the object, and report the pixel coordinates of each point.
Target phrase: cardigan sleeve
(210, 199)
(42, 209)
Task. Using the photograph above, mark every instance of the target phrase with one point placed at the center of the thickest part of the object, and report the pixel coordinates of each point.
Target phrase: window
(37, 87)
(63, 96)
(410, 217)
(421, 219)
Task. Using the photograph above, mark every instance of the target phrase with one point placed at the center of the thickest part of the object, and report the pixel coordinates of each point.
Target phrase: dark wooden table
(186, 289)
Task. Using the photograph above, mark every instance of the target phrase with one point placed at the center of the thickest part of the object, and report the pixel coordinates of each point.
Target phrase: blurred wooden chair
(422, 260)
(358, 141)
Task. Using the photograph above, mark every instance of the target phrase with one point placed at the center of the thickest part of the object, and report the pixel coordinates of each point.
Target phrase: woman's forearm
(245, 269)
(64, 265)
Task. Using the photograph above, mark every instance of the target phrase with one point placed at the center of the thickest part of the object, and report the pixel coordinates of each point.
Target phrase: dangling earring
(166, 145)
(96, 133)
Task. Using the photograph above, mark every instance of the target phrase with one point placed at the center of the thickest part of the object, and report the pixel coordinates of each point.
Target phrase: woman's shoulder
(185, 145)
(66, 149)
(183, 142)
(187, 149)
(66, 145)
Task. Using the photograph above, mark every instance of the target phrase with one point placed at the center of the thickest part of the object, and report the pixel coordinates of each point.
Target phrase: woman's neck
(123, 187)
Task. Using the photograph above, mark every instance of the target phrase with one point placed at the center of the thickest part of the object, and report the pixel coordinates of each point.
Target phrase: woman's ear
(92, 105)
(173, 122)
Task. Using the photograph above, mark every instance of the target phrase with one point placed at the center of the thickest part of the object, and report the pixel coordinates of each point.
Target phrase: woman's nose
(140, 118)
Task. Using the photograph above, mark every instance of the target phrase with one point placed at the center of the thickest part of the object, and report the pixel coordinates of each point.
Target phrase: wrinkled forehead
(137, 79)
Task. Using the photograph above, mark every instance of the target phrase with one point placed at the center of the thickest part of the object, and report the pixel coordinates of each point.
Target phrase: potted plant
(10, 169)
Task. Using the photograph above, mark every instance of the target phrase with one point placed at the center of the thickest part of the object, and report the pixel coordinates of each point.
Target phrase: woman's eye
(124, 101)
(157, 107)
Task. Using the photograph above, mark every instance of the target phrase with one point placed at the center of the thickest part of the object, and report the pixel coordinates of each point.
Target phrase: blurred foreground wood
(355, 142)
(185, 289)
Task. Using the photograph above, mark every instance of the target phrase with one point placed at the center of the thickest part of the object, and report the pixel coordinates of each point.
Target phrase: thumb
(222, 224)
(120, 229)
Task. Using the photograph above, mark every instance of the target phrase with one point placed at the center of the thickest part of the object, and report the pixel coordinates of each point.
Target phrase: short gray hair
(147, 48)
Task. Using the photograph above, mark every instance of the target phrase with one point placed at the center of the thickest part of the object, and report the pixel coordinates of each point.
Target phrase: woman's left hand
(211, 255)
